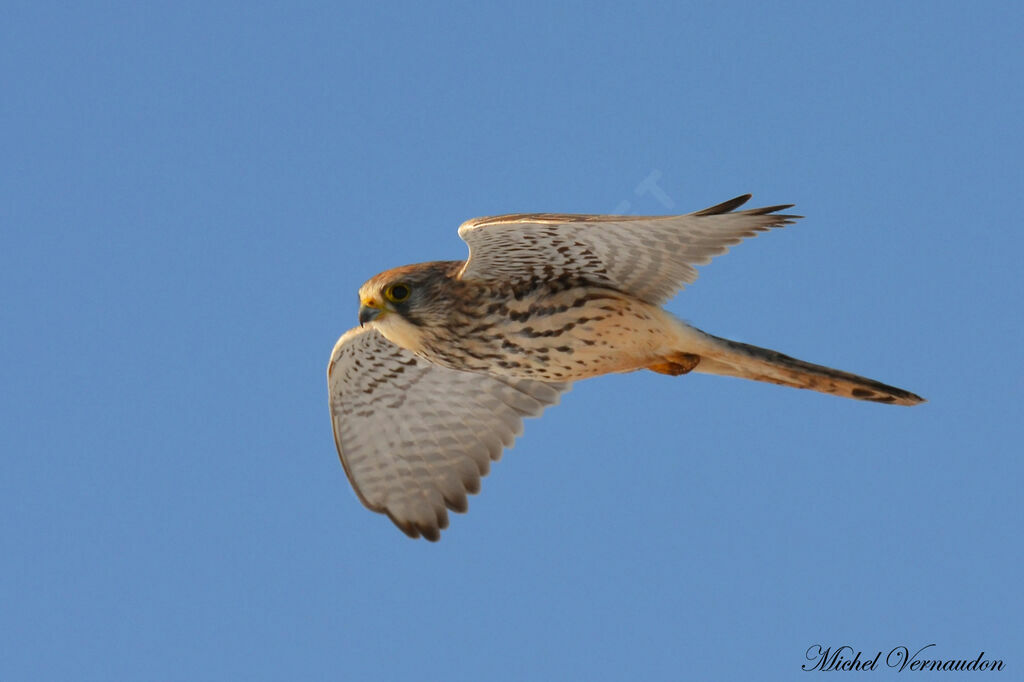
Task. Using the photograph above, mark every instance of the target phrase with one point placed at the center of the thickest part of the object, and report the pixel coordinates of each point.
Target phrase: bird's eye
(396, 293)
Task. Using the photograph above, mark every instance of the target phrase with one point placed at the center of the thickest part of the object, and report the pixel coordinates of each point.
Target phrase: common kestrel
(450, 356)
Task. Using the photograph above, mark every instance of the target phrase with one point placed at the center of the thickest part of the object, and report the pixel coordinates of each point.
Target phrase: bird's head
(401, 301)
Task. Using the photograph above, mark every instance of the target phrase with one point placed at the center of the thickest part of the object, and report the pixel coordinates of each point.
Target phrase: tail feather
(732, 358)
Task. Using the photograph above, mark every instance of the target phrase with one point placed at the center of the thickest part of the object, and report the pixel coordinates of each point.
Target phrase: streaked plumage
(451, 355)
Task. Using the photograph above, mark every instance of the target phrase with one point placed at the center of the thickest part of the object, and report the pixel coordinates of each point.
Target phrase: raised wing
(415, 437)
(650, 257)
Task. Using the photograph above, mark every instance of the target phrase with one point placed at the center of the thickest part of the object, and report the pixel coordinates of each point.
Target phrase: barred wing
(650, 257)
(415, 437)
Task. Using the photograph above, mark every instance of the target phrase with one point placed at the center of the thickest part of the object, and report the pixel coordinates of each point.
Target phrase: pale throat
(399, 331)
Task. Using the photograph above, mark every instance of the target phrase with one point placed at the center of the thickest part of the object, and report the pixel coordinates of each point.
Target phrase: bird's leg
(675, 364)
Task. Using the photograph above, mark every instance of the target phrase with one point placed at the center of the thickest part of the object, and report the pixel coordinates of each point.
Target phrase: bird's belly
(573, 334)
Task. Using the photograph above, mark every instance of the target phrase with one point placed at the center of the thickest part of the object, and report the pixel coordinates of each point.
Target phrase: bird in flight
(450, 356)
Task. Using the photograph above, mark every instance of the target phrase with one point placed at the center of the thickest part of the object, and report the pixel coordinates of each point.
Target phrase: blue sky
(191, 194)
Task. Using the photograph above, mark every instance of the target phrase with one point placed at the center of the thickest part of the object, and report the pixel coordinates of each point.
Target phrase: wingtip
(767, 210)
(732, 204)
(726, 206)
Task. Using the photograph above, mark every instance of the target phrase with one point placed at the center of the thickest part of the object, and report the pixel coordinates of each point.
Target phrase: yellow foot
(675, 364)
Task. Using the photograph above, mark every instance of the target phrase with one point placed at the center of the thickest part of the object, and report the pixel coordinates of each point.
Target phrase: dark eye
(396, 293)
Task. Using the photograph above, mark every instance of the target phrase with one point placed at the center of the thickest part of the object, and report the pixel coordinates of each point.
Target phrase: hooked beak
(369, 311)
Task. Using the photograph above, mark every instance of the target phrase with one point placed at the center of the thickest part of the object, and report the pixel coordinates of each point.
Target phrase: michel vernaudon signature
(899, 658)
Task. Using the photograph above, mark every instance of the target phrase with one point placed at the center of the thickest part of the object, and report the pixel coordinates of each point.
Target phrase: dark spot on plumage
(862, 393)
(545, 310)
(530, 332)
(480, 356)
(499, 307)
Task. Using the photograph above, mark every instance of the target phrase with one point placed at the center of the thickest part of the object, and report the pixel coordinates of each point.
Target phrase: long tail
(732, 358)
